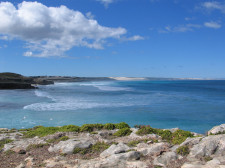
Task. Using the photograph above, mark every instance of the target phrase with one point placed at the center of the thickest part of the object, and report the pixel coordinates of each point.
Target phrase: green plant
(183, 150)
(146, 130)
(122, 125)
(41, 132)
(180, 136)
(94, 132)
(9, 152)
(91, 127)
(4, 141)
(96, 148)
(63, 138)
(207, 158)
(44, 131)
(157, 166)
(109, 126)
(36, 146)
(69, 128)
(99, 146)
(165, 134)
(123, 132)
(133, 143)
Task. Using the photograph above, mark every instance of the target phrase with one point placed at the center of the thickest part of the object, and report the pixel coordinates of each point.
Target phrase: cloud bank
(50, 31)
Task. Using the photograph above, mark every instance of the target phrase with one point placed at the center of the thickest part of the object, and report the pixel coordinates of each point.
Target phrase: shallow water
(189, 105)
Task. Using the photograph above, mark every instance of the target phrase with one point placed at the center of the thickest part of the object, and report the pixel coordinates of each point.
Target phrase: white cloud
(106, 2)
(89, 15)
(51, 31)
(180, 28)
(4, 37)
(214, 5)
(214, 25)
(133, 38)
(28, 54)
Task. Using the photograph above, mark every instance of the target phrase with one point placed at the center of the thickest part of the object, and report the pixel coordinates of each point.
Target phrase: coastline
(110, 145)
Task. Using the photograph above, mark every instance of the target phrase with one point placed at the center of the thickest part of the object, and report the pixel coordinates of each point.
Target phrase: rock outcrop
(102, 149)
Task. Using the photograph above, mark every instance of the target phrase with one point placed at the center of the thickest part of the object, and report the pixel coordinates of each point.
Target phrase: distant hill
(10, 80)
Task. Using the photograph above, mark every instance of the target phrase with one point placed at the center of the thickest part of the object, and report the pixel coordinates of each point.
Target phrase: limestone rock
(165, 159)
(67, 147)
(153, 149)
(115, 149)
(217, 129)
(22, 144)
(211, 145)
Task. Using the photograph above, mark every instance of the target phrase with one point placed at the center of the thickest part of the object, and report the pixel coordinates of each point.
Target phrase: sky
(101, 38)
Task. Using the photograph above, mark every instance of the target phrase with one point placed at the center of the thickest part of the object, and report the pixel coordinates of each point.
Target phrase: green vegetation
(41, 132)
(69, 128)
(109, 126)
(123, 132)
(96, 148)
(44, 131)
(183, 150)
(10, 75)
(36, 146)
(63, 138)
(207, 158)
(218, 133)
(3, 142)
(91, 127)
(146, 130)
(157, 166)
(180, 136)
(9, 152)
(177, 137)
(122, 125)
(133, 143)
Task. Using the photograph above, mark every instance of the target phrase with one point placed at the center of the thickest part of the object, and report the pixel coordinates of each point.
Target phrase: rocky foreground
(111, 145)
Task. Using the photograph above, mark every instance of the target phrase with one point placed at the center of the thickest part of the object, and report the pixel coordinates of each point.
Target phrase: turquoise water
(189, 105)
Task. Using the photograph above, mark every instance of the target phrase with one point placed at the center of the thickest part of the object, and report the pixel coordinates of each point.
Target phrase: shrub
(122, 125)
(63, 138)
(146, 130)
(44, 131)
(69, 128)
(183, 150)
(109, 126)
(41, 132)
(165, 134)
(91, 127)
(36, 146)
(4, 141)
(99, 146)
(96, 148)
(123, 132)
(180, 136)
(207, 158)
(133, 143)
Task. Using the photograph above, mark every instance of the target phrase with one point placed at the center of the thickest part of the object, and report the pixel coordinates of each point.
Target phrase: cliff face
(17, 81)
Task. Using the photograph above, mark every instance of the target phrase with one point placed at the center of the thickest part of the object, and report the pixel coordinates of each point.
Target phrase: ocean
(190, 105)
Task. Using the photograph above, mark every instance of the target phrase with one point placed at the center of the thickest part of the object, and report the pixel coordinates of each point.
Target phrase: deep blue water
(190, 105)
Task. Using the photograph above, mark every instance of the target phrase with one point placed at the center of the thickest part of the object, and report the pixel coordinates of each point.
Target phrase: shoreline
(111, 145)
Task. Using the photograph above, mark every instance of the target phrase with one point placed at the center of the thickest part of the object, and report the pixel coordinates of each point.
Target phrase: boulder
(165, 159)
(114, 149)
(22, 144)
(153, 149)
(67, 147)
(211, 145)
(217, 129)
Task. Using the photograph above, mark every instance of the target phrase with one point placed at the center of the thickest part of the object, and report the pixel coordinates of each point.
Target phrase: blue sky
(139, 38)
